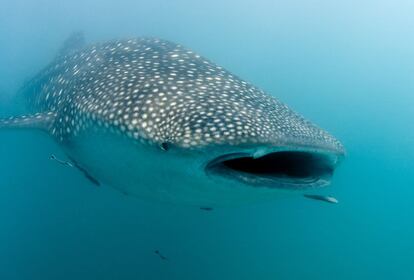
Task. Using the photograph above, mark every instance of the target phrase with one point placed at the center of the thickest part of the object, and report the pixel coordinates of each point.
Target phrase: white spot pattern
(154, 91)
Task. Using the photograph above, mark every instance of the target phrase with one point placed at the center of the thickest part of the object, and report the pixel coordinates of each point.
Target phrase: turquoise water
(346, 66)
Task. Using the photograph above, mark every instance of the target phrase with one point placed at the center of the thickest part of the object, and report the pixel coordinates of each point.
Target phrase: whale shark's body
(156, 120)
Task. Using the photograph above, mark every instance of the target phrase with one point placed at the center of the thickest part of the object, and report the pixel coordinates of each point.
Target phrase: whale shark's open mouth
(281, 169)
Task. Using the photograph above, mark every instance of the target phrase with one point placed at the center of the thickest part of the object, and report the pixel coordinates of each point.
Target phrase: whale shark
(156, 120)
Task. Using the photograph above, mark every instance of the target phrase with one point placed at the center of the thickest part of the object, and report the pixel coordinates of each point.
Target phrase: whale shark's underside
(156, 120)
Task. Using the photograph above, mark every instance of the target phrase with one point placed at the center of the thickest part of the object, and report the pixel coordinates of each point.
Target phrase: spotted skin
(155, 91)
(149, 117)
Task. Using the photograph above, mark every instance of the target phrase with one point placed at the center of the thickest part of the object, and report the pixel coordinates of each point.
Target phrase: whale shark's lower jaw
(285, 169)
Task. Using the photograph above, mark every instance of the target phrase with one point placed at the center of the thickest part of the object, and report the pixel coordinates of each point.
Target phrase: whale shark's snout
(290, 164)
(296, 156)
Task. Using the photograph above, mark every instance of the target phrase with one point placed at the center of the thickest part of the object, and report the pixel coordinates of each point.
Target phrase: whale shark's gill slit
(284, 169)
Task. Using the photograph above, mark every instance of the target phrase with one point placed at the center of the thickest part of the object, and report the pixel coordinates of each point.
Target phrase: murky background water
(348, 66)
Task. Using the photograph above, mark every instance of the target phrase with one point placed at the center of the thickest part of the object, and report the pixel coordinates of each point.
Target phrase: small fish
(63, 162)
(328, 199)
(206, 208)
(160, 255)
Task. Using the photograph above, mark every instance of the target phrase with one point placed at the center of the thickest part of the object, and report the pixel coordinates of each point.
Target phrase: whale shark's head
(252, 139)
(241, 147)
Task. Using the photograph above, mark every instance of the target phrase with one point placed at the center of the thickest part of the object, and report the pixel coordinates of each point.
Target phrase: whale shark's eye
(288, 168)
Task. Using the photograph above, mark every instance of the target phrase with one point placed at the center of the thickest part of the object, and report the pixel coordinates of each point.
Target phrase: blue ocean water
(348, 66)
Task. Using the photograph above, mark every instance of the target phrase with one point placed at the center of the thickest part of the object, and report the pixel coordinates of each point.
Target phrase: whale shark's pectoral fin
(38, 121)
(329, 199)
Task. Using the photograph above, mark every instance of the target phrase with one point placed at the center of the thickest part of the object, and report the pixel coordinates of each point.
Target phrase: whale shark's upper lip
(278, 169)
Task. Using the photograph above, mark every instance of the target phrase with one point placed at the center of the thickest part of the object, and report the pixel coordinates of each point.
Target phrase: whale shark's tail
(41, 121)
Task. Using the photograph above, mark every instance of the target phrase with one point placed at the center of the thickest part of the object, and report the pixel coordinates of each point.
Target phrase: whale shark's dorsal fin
(41, 121)
(73, 43)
